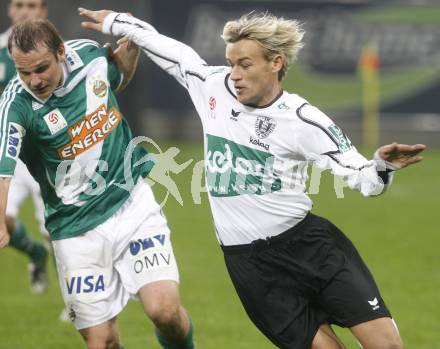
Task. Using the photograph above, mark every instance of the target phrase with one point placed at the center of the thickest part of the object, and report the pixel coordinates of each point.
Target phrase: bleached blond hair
(277, 36)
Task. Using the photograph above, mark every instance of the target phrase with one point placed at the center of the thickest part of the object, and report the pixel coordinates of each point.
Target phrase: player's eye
(41, 69)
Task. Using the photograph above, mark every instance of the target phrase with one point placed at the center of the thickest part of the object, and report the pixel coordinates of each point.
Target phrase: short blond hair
(277, 36)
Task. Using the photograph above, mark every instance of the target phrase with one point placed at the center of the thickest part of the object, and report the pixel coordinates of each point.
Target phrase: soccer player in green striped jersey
(110, 238)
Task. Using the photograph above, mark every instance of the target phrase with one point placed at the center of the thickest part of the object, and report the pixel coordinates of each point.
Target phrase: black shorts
(309, 275)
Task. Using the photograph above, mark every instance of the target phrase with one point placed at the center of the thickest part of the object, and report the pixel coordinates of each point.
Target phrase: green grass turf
(397, 234)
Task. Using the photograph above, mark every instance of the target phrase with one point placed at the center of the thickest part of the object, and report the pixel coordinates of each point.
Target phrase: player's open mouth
(239, 90)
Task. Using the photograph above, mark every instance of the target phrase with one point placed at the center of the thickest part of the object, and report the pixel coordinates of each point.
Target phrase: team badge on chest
(55, 121)
(264, 126)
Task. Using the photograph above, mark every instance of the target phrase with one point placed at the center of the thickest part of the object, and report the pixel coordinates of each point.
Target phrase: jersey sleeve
(12, 132)
(176, 58)
(323, 143)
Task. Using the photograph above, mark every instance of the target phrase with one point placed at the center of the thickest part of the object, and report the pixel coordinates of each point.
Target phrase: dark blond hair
(277, 36)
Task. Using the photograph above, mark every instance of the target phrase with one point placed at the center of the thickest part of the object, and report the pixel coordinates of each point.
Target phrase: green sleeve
(12, 132)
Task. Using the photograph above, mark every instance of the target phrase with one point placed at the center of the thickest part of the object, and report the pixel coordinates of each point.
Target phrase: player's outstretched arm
(4, 188)
(173, 56)
(401, 155)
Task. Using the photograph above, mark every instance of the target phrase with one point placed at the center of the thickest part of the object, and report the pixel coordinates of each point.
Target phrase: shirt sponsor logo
(259, 143)
(93, 129)
(342, 140)
(55, 121)
(233, 169)
(85, 284)
(264, 126)
(15, 136)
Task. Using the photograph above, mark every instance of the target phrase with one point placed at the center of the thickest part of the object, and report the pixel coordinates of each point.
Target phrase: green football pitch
(397, 234)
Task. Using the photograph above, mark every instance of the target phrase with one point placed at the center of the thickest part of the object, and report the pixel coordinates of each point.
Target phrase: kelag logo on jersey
(233, 169)
(94, 128)
(15, 135)
(85, 284)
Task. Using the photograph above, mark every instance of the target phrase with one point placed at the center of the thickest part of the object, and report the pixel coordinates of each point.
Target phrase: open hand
(401, 155)
(96, 18)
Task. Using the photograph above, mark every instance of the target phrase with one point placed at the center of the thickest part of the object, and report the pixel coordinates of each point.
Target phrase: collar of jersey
(229, 88)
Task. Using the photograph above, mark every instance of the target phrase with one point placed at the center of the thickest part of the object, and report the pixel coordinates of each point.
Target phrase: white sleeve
(320, 141)
(178, 59)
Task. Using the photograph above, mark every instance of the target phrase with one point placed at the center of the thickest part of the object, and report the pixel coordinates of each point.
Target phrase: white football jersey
(256, 158)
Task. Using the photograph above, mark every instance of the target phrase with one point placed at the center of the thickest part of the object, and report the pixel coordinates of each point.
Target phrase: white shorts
(100, 270)
(22, 185)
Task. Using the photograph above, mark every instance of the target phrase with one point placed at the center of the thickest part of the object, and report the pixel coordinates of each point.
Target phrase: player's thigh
(378, 333)
(326, 338)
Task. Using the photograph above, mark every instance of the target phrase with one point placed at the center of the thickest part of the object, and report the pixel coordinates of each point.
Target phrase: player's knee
(102, 342)
(393, 343)
(166, 316)
(102, 338)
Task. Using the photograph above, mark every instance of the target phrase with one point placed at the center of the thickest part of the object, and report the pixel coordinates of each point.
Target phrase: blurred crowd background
(354, 50)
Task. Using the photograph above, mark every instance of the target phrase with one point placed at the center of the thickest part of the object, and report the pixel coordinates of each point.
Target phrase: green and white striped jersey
(256, 158)
(74, 143)
(7, 67)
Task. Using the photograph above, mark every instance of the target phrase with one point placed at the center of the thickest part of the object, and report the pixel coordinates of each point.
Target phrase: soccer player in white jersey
(295, 273)
(109, 236)
(23, 185)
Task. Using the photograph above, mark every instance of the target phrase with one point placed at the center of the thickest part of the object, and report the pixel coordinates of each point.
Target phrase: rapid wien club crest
(99, 88)
(264, 126)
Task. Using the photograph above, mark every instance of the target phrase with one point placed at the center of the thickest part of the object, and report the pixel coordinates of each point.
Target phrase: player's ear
(277, 63)
(61, 53)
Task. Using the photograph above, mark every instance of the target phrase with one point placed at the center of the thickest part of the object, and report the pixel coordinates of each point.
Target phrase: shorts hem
(164, 278)
(314, 332)
(364, 318)
(101, 321)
